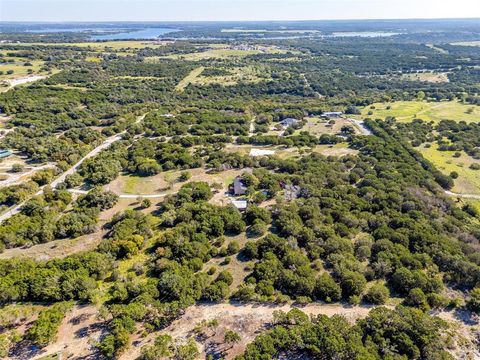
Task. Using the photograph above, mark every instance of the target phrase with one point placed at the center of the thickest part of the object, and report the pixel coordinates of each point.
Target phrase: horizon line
(227, 21)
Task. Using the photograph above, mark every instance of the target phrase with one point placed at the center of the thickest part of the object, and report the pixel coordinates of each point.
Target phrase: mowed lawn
(468, 181)
(19, 69)
(427, 111)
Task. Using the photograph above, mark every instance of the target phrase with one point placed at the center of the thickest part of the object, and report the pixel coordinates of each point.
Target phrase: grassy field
(427, 111)
(468, 181)
(247, 74)
(340, 149)
(225, 52)
(160, 183)
(436, 48)
(427, 77)
(116, 45)
(281, 31)
(19, 70)
(317, 126)
(467, 43)
(189, 79)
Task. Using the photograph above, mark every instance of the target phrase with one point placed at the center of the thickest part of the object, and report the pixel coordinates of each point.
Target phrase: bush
(184, 176)
(352, 283)
(16, 168)
(473, 304)
(233, 247)
(417, 298)
(327, 289)
(378, 294)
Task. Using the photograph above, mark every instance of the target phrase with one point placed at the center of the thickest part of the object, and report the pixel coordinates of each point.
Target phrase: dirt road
(106, 144)
(465, 196)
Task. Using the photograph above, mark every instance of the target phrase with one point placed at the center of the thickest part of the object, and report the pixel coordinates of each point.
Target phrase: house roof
(240, 204)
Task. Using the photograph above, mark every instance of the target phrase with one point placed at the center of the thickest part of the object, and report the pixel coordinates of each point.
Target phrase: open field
(467, 43)
(340, 149)
(19, 69)
(225, 52)
(280, 31)
(167, 182)
(427, 111)
(116, 45)
(245, 74)
(436, 48)
(427, 77)
(189, 78)
(468, 181)
(317, 126)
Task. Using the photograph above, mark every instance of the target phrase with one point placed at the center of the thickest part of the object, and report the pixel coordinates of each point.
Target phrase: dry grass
(246, 74)
(189, 79)
(317, 126)
(19, 70)
(427, 77)
(226, 52)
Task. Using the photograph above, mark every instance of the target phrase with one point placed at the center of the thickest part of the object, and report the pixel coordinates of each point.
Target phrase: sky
(229, 10)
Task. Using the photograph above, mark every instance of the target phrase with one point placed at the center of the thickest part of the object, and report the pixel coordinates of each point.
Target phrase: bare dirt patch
(248, 320)
(79, 327)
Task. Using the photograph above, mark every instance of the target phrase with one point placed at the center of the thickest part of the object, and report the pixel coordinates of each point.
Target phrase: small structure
(5, 153)
(332, 114)
(261, 152)
(239, 186)
(288, 122)
(241, 205)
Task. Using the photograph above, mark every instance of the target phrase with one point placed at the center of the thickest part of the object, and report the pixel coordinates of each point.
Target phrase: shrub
(377, 294)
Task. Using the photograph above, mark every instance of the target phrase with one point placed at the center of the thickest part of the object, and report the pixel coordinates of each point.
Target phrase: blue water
(148, 33)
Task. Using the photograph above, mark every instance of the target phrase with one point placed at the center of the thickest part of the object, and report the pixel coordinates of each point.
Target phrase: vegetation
(369, 220)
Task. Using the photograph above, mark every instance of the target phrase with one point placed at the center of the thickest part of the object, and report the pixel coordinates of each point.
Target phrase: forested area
(344, 209)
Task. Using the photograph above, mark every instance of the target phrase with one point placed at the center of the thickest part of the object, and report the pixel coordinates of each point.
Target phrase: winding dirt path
(465, 196)
(106, 144)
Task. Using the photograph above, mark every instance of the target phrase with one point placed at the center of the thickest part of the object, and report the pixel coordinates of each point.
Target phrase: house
(332, 114)
(288, 122)
(239, 186)
(5, 153)
(241, 205)
(260, 152)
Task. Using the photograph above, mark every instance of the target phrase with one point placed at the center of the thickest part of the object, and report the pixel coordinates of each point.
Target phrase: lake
(148, 33)
(133, 34)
